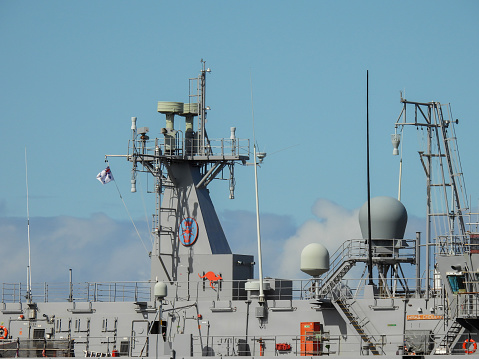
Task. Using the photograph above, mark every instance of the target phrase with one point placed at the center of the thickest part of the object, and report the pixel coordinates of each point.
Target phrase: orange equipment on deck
(310, 338)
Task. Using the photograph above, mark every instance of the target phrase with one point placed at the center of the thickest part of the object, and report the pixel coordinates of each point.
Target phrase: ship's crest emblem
(188, 232)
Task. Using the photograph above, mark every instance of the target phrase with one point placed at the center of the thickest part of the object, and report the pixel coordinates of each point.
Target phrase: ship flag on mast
(105, 176)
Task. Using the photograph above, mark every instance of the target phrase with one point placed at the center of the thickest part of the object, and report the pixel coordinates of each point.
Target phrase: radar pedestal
(190, 110)
(170, 109)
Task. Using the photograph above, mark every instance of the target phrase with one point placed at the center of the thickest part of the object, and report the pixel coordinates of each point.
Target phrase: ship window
(38, 333)
(457, 283)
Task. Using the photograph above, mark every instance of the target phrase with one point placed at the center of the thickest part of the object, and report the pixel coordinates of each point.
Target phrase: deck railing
(280, 289)
(180, 147)
(78, 292)
(205, 344)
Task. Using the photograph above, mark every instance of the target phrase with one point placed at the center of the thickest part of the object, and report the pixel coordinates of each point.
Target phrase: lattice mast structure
(447, 204)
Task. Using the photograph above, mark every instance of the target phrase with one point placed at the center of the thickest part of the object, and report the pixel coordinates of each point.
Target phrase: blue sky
(73, 73)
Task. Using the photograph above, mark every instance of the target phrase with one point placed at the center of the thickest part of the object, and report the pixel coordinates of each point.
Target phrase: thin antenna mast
(29, 268)
(400, 179)
(396, 142)
(260, 265)
(370, 248)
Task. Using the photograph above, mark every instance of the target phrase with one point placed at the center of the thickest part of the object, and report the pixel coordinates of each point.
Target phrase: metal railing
(468, 305)
(280, 289)
(356, 249)
(36, 348)
(184, 147)
(293, 345)
(323, 343)
(78, 292)
(89, 346)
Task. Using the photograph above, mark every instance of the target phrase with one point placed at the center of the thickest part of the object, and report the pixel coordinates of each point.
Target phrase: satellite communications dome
(160, 290)
(388, 218)
(315, 259)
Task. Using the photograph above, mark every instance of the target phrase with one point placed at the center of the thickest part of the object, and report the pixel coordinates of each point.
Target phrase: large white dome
(388, 218)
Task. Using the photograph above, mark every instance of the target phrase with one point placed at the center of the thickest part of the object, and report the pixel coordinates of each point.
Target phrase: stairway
(450, 339)
(354, 322)
(341, 262)
(331, 281)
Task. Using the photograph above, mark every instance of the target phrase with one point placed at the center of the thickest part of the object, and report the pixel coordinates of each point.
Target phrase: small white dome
(160, 290)
(315, 259)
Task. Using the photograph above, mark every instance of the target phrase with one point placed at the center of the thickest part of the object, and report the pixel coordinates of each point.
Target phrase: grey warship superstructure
(203, 300)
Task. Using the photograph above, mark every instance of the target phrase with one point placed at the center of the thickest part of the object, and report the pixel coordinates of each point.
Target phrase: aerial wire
(146, 213)
(283, 149)
(129, 215)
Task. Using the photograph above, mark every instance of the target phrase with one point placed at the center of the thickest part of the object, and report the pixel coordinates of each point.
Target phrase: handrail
(85, 291)
(286, 289)
(185, 147)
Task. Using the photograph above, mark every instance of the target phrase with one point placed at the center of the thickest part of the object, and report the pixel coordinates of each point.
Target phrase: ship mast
(444, 178)
(441, 150)
(183, 162)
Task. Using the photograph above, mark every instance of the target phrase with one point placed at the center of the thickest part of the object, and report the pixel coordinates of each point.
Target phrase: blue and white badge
(188, 232)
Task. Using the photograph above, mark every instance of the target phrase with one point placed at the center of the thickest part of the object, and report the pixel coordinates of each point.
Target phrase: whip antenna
(370, 250)
(260, 265)
(29, 268)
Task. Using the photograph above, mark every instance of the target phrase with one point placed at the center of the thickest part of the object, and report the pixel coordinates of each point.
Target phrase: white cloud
(332, 226)
(96, 248)
(99, 248)
(240, 230)
(283, 241)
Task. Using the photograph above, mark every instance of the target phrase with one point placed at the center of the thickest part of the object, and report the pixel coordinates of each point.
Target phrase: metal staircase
(336, 277)
(356, 323)
(341, 262)
(450, 338)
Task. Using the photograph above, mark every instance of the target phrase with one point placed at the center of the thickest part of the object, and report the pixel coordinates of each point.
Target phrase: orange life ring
(465, 346)
(3, 332)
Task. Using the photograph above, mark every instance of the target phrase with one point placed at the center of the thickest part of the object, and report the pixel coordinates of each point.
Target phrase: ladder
(447, 197)
(355, 322)
(455, 171)
(336, 277)
(450, 338)
(342, 261)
